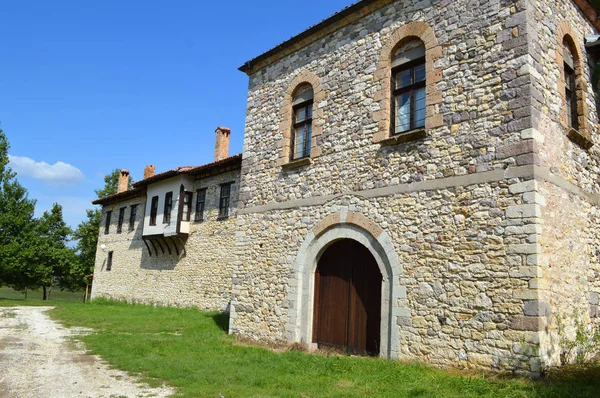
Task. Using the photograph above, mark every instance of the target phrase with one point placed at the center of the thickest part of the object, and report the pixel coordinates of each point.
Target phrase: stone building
(169, 239)
(419, 181)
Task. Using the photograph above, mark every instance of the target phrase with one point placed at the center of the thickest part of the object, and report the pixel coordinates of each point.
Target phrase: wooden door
(348, 299)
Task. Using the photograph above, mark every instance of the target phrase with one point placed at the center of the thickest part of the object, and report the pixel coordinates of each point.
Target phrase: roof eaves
(338, 16)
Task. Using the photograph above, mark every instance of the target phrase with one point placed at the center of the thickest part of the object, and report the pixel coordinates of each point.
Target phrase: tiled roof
(139, 187)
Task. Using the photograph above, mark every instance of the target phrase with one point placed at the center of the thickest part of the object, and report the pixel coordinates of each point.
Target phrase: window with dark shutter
(200, 201)
(168, 207)
(121, 219)
(109, 261)
(224, 200)
(107, 222)
(132, 217)
(153, 210)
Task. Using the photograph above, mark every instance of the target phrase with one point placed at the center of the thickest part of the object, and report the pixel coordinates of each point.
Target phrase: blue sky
(86, 87)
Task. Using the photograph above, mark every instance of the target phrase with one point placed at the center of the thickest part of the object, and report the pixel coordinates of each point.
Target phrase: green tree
(16, 223)
(596, 71)
(49, 258)
(87, 231)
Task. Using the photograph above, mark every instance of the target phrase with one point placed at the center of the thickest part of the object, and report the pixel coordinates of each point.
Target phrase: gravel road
(39, 358)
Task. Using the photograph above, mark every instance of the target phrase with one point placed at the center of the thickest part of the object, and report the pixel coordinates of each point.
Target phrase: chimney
(222, 144)
(149, 171)
(123, 181)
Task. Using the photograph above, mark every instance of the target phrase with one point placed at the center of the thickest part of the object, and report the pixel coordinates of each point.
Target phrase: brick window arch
(571, 86)
(295, 101)
(387, 95)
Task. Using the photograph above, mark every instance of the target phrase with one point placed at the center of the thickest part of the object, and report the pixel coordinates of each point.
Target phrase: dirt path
(39, 359)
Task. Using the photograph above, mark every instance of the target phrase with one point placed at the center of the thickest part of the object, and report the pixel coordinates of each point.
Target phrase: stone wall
(460, 209)
(567, 192)
(199, 277)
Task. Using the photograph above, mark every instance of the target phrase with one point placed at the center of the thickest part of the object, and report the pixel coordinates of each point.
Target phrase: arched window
(408, 96)
(302, 105)
(570, 87)
(408, 87)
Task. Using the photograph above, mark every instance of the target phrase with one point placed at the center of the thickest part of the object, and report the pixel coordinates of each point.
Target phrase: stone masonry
(200, 276)
(484, 225)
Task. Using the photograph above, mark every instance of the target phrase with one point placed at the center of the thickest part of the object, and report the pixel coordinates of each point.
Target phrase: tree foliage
(16, 222)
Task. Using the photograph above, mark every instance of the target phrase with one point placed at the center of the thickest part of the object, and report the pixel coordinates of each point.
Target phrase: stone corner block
(527, 323)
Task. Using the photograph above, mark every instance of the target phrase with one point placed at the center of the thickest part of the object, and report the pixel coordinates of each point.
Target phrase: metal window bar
(305, 126)
(415, 87)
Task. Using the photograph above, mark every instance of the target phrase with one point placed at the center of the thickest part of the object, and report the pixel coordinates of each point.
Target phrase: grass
(191, 351)
(11, 298)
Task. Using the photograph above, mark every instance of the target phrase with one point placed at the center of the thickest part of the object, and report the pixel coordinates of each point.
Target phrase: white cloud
(59, 173)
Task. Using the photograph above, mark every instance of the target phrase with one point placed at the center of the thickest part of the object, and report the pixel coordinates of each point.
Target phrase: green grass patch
(12, 298)
(191, 351)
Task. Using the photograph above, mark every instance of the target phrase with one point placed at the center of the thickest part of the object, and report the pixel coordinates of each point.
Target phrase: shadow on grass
(222, 321)
(581, 375)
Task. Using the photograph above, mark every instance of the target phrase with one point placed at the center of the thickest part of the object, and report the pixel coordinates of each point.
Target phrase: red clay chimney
(123, 181)
(222, 143)
(149, 171)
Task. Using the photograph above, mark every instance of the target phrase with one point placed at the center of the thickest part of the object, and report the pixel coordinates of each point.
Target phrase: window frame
(186, 212)
(109, 260)
(307, 122)
(571, 95)
(224, 201)
(121, 220)
(107, 222)
(132, 216)
(200, 204)
(154, 210)
(168, 207)
(412, 88)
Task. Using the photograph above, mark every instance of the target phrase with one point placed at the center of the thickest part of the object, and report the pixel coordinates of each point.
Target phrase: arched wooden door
(348, 299)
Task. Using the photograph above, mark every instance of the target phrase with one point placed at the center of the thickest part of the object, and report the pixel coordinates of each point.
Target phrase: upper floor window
(200, 200)
(121, 219)
(408, 87)
(168, 207)
(107, 222)
(132, 217)
(570, 87)
(153, 210)
(224, 200)
(109, 261)
(187, 206)
(302, 122)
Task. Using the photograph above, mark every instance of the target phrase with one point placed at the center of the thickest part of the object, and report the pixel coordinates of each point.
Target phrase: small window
(109, 261)
(200, 200)
(570, 88)
(153, 210)
(121, 219)
(408, 87)
(224, 200)
(302, 122)
(132, 217)
(168, 207)
(187, 206)
(107, 222)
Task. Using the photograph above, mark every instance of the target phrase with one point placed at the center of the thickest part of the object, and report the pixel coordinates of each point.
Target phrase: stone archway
(354, 226)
